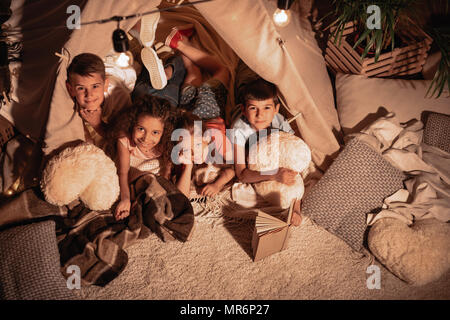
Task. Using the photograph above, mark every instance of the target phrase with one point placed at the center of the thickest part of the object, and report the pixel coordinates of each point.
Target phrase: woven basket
(401, 61)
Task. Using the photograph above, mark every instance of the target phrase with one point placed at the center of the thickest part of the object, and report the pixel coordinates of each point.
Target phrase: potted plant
(397, 20)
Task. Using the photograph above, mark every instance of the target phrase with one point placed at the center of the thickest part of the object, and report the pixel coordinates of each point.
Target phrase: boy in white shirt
(260, 112)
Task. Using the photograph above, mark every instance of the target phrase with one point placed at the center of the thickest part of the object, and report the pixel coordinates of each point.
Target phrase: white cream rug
(216, 264)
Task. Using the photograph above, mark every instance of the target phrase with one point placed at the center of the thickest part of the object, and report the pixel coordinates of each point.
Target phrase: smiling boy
(87, 84)
(260, 112)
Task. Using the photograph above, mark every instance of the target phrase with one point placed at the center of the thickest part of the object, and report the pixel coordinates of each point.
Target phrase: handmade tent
(223, 269)
(289, 57)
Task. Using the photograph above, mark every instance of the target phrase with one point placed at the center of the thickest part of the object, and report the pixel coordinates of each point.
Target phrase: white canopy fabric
(288, 57)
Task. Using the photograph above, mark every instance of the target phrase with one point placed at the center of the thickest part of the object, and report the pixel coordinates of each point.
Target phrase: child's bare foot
(297, 218)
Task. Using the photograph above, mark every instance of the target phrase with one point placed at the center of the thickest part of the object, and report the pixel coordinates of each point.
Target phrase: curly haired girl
(142, 134)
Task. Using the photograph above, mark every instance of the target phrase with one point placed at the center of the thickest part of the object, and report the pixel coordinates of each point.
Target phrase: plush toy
(417, 254)
(279, 150)
(82, 172)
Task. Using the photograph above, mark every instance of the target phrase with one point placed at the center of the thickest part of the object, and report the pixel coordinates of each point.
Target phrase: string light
(18, 30)
(124, 58)
(282, 15)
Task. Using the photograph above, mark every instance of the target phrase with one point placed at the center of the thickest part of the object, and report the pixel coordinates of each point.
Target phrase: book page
(264, 232)
(265, 222)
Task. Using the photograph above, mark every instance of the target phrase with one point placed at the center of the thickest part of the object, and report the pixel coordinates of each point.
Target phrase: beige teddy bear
(280, 150)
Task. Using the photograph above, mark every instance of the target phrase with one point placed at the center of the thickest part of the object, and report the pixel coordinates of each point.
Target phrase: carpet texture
(216, 264)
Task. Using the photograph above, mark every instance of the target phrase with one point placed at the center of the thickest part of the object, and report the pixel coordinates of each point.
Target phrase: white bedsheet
(427, 190)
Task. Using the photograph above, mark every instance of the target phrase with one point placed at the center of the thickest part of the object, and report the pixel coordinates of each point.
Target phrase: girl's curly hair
(124, 122)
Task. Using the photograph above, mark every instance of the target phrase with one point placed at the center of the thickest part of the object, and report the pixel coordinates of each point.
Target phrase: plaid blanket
(93, 240)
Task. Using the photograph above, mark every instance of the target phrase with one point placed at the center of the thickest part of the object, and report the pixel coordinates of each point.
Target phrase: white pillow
(359, 98)
(418, 254)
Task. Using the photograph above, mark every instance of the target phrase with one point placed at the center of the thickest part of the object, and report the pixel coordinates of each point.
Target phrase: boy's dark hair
(258, 89)
(85, 64)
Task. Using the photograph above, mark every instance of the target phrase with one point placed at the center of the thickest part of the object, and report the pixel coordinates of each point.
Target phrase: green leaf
(391, 23)
(378, 44)
(362, 37)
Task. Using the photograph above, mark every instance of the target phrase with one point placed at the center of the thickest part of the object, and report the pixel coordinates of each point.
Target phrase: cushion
(361, 100)
(437, 131)
(84, 172)
(355, 184)
(279, 150)
(418, 254)
(29, 264)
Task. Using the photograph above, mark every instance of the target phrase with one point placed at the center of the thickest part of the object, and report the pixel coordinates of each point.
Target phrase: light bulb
(123, 59)
(281, 17)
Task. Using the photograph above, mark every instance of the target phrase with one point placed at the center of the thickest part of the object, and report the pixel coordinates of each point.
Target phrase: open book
(270, 234)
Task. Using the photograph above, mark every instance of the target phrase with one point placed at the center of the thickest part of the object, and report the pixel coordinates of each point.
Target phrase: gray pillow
(355, 184)
(29, 264)
(437, 131)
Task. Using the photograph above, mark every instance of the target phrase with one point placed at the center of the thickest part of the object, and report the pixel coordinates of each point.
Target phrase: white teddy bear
(82, 172)
(280, 150)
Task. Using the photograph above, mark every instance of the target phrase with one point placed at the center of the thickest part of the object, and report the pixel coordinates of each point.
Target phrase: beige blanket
(427, 191)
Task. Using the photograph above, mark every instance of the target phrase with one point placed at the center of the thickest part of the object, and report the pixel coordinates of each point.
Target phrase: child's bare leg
(296, 219)
(193, 73)
(204, 60)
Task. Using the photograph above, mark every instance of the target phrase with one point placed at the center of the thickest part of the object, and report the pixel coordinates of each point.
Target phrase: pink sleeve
(222, 143)
(217, 130)
(125, 142)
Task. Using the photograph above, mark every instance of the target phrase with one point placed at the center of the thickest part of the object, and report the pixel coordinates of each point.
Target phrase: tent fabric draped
(288, 57)
(64, 124)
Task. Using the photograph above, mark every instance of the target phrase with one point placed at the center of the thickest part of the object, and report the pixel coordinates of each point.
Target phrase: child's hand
(122, 209)
(210, 190)
(184, 157)
(286, 176)
(93, 117)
